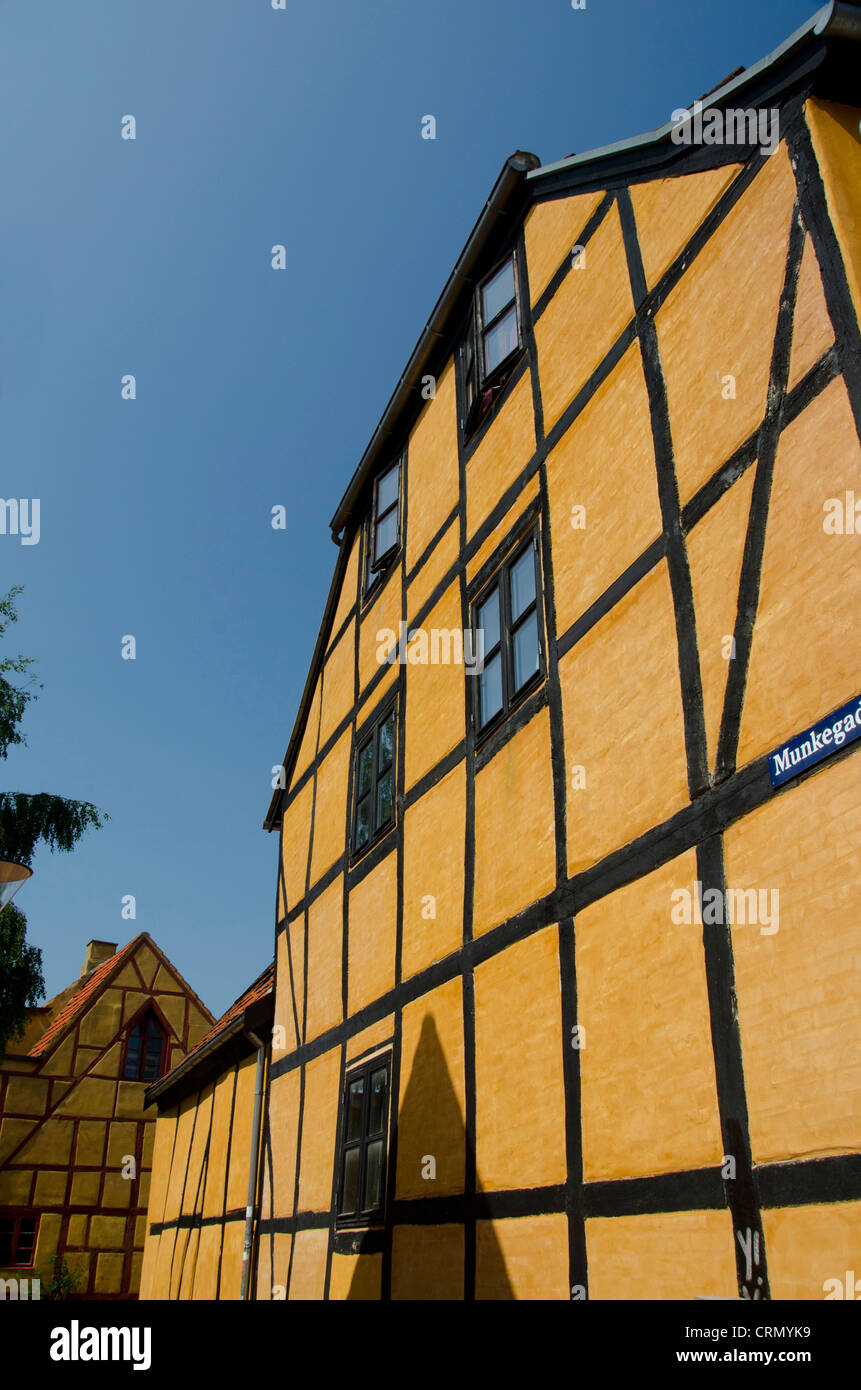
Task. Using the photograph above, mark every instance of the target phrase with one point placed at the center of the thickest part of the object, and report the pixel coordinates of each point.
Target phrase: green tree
(26, 820)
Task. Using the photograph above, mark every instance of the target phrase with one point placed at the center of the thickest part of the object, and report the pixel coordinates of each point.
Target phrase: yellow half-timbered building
(570, 832)
(76, 1129)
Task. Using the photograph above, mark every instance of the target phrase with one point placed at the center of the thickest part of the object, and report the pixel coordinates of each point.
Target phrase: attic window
(145, 1050)
(490, 343)
(383, 536)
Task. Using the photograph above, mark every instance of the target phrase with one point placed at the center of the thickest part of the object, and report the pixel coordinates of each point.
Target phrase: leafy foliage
(13, 700)
(26, 820)
(21, 981)
(64, 1281)
(57, 822)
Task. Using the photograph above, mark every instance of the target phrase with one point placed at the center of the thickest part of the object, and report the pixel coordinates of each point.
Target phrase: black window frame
(483, 385)
(145, 1021)
(374, 571)
(364, 1216)
(17, 1217)
(371, 734)
(500, 578)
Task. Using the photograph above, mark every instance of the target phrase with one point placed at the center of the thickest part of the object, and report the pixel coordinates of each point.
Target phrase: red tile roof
(91, 986)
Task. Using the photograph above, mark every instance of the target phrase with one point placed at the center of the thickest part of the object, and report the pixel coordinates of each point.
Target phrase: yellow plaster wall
(330, 810)
(504, 452)
(377, 1033)
(519, 1108)
(432, 467)
(435, 695)
(434, 570)
(720, 320)
(347, 596)
(715, 552)
(432, 1104)
(515, 840)
(812, 331)
(338, 684)
(668, 212)
(583, 319)
(551, 231)
(433, 869)
(319, 1121)
(674, 1255)
(240, 1136)
(495, 538)
(372, 930)
(604, 463)
(295, 838)
(325, 938)
(632, 749)
(356, 1277)
(308, 1277)
(806, 651)
(648, 1096)
(284, 1003)
(427, 1262)
(837, 146)
(526, 1258)
(382, 617)
(807, 1246)
(799, 999)
(283, 1126)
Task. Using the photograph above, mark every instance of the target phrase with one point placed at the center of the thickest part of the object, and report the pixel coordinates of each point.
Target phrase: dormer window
(383, 538)
(145, 1050)
(491, 341)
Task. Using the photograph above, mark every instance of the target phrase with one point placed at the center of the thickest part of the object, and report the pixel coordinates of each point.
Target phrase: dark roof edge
(273, 814)
(498, 206)
(839, 19)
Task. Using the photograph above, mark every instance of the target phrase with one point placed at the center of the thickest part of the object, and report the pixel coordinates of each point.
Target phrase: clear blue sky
(254, 387)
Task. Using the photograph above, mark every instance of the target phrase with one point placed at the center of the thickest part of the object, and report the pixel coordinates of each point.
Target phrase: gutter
(252, 1166)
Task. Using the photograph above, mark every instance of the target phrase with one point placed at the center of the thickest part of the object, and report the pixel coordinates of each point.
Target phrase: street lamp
(12, 875)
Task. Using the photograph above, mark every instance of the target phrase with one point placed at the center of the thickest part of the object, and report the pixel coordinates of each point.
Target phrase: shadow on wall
(428, 1258)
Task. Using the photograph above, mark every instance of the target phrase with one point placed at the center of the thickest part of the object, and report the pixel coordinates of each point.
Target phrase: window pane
(387, 744)
(373, 1175)
(526, 651)
(500, 341)
(377, 1117)
(522, 584)
(497, 292)
(7, 1230)
(350, 1185)
(366, 757)
(152, 1060)
(355, 1099)
(133, 1054)
(363, 822)
(387, 534)
(490, 690)
(487, 621)
(26, 1240)
(385, 799)
(387, 490)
